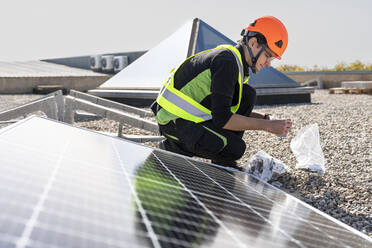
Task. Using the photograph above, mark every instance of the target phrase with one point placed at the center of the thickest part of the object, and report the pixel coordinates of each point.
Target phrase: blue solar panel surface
(63, 186)
(209, 38)
(269, 77)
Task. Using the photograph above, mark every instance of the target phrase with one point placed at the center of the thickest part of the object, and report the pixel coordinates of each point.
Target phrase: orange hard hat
(274, 32)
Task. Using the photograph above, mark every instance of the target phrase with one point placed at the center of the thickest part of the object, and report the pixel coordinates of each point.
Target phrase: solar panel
(209, 38)
(269, 77)
(62, 186)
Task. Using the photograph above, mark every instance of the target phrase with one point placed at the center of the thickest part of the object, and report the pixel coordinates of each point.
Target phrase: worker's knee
(240, 148)
(210, 143)
(235, 149)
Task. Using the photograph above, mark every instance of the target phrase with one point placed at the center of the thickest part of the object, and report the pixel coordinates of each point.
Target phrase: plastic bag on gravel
(265, 167)
(307, 150)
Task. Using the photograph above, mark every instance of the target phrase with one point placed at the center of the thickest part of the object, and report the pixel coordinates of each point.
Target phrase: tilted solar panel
(63, 186)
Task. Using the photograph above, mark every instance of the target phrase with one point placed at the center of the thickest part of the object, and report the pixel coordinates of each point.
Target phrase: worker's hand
(279, 127)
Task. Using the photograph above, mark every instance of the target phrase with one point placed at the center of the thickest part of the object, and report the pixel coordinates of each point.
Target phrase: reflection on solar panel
(62, 186)
(269, 77)
(209, 38)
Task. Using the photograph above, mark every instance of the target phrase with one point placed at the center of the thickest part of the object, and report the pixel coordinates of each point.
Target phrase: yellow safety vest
(183, 106)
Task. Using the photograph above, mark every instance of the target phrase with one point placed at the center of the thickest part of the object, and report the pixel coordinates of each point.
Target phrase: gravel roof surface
(345, 126)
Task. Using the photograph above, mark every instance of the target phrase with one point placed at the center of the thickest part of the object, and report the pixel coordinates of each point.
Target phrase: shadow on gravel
(256, 107)
(305, 103)
(329, 203)
(313, 190)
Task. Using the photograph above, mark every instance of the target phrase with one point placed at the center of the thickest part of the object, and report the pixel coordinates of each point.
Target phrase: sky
(321, 32)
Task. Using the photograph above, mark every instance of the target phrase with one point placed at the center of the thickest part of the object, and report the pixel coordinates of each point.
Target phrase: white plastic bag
(265, 167)
(306, 147)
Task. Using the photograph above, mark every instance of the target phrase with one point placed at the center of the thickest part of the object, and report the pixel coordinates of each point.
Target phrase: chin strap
(253, 58)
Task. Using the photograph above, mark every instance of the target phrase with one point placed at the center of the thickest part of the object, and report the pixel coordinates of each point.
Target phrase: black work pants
(206, 140)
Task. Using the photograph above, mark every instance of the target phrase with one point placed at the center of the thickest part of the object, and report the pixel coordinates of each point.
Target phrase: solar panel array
(63, 186)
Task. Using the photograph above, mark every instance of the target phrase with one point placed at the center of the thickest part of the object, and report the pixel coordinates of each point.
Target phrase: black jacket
(224, 84)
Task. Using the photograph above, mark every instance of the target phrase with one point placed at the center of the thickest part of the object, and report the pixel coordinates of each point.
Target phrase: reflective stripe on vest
(181, 105)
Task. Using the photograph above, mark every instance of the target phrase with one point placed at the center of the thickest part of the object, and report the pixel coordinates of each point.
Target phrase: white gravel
(345, 125)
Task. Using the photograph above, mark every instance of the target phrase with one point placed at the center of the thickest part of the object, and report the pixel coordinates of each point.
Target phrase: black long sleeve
(224, 75)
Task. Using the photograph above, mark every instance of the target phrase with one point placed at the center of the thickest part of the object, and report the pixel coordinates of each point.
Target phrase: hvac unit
(95, 62)
(120, 62)
(107, 63)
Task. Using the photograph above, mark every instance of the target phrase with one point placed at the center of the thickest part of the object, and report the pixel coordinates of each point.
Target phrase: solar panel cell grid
(284, 210)
(301, 211)
(76, 188)
(175, 215)
(260, 196)
(192, 178)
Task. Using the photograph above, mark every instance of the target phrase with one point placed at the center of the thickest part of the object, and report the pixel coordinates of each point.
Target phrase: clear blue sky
(320, 32)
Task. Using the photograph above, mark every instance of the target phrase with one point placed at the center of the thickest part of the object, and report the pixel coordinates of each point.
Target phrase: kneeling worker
(206, 104)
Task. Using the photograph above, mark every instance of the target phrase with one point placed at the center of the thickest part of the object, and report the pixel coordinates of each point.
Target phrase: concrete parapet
(357, 84)
(25, 85)
(330, 79)
(23, 77)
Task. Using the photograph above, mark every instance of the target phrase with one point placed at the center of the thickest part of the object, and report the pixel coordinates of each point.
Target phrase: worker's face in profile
(265, 58)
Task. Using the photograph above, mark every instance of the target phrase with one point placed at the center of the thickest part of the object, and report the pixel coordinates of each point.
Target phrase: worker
(206, 104)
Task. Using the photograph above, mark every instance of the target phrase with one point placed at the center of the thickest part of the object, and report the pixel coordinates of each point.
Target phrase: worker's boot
(173, 147)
